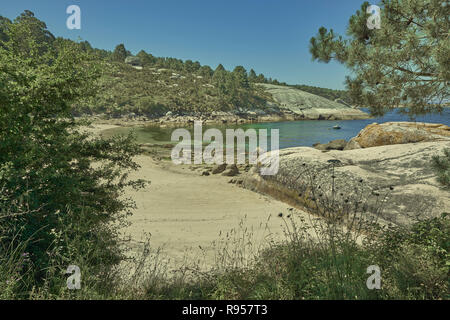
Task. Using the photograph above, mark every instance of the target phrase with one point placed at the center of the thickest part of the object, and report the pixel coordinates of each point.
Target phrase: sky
(269, 36)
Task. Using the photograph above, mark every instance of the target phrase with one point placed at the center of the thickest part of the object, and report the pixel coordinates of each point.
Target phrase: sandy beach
(186, 214)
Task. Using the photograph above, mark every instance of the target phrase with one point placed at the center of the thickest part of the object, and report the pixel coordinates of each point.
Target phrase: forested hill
(147, 85)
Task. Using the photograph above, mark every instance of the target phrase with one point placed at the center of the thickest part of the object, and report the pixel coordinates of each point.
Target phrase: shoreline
(189, 216)
(221, 118)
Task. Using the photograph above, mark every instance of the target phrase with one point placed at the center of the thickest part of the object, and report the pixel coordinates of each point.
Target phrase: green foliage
(60, 188)
(326, 93)
(120, 53)
(441, 165)
(405, 63)
(240, 77)
(146, 58)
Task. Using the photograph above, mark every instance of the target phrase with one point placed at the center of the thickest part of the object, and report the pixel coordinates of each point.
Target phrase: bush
(61, 189)
(441, 165)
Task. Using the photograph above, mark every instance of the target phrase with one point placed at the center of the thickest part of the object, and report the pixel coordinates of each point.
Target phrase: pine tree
(120, 53)
(240, 77)
(405, 63)
(252, 76)
(146, 58)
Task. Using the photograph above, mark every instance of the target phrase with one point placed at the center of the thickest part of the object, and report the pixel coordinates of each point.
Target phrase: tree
(240, 77)
(120, 53)
(405, 63)
(146, 58)
(86, 46)
(219, 68)
(30, 26)
(252, 76)
(220, 80)
(190, 66)
(261, 78)
(4, 22)
(205, 71)
(60, 188)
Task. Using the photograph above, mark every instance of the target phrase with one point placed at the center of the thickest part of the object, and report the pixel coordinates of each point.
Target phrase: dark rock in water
(336, 127)
(231, 171)
(338, 144)
(219, 168)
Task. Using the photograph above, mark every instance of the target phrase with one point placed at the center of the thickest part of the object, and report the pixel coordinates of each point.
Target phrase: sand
(186, 212)
(188, 216)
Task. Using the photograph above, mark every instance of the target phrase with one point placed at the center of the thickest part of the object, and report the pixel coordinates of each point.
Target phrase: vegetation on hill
(151, 86)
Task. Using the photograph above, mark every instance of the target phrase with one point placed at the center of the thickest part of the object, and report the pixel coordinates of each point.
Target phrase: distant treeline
(140, 85)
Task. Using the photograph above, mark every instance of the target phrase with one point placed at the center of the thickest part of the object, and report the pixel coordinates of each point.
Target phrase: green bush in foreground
(414, 264)
(60, 189)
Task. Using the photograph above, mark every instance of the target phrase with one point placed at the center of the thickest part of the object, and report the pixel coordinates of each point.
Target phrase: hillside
(304, 105)
(151, 92)
(143, 85)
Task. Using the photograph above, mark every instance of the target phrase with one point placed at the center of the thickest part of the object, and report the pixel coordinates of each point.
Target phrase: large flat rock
(370, 173)
(398, 133)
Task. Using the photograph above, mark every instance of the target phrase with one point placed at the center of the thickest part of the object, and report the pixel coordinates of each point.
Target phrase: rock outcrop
(338, 144)
(303, 105)
(388, 133)
(397, 178)
(231, 170)
(134, 61)
(219, 168)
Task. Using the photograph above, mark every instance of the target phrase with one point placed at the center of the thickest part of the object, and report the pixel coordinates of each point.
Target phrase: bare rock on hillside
(304, 105)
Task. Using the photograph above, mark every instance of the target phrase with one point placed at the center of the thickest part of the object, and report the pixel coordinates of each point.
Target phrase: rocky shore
(289, 104)
(389, 133)
(389, 170)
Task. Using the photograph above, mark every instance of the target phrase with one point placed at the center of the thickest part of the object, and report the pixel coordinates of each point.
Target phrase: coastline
(223, 118)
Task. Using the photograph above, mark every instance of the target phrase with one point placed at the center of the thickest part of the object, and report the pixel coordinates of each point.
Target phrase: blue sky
(272, 37)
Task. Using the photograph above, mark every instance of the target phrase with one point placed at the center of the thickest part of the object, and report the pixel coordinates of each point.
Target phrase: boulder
(352, 144)
(389, 133)
(219, 168)
(231, 171)
(338, 144)
(395, 178)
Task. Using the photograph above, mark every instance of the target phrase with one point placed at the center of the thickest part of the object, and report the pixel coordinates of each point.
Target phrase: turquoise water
(294, 133)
